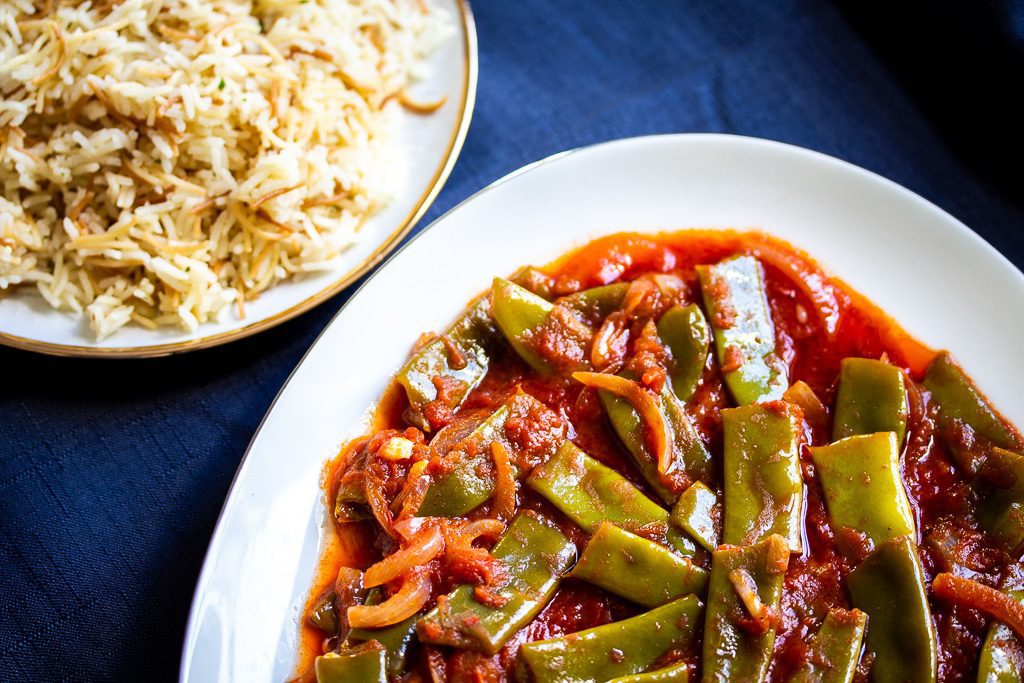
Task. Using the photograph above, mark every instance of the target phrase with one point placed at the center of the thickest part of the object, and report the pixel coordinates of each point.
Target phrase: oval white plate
(430, 145)
(932, 274)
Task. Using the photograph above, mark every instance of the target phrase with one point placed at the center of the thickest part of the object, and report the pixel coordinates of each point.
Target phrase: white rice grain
(159, 158)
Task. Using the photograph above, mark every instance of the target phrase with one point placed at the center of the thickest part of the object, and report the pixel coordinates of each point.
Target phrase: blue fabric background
(112, 473)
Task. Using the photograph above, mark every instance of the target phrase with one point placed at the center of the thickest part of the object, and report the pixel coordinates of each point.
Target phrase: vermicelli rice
(161, 160)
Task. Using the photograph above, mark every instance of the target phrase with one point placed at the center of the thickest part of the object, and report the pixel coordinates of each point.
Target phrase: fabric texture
(110, 488)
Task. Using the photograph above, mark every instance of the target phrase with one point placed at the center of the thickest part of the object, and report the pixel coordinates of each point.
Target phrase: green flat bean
(684, 331)
(1002, 655)
(834, 651)
(1001, 510)
(763, 488)
(959, 400)
(872, 398)
(469, 484)
(324, 615)
(536, 555)
(588, 493)
(350, 504)
(597, 303)
(519, 315)
(677, 673)
(689, 454)
(637, 569)
(860, 476)
(698, 513)
(889, 586)
(396, 639)
(470, 334)
(618, 649)
(365, 663)
(518, 312)
(735, 298)
(733, 651)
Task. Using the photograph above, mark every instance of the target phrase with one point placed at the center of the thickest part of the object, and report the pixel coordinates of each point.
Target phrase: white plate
(932, 274)
(430, 144)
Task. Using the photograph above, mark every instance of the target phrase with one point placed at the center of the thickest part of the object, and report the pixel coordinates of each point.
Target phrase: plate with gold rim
(882, 240)
(430, 146)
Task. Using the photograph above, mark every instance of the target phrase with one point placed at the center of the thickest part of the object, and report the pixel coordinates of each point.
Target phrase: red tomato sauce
(818, 322)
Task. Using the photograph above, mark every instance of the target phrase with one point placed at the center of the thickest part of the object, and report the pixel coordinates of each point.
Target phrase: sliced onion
(409, 599)
(414, 490)
(425, 547)
(407, 529)
(610, 342)
(974, 595)
(745, 587)
(639, 290)
(478, 528)
(645, 403)
(378, 502)
(505, 482)
(808, 279)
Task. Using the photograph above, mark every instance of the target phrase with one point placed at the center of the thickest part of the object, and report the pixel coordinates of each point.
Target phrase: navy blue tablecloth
(112, 473)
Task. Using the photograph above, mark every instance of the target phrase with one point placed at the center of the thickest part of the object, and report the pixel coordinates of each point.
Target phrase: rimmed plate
(430, 144)
(943, 283)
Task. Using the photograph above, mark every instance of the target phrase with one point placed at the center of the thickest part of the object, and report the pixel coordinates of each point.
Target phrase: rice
(162, 161)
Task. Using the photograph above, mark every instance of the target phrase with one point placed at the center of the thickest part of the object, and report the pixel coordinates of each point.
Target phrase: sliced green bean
(684, 331)
(834, 651)
(350, 504)
(520, 315)
(871, 398)
(860, 476)
(732, 650)
(518, 312)
(889, 586)
(597, 303)
(637, 569)
(1002, 655)
(536, 555)
(466, 362)
(469, 484)
(736, 301)
(698, 513)
(324, 614)
(1001, 507)
(589, 492)
(396, 639)
(959, 400)
(763, 485)
(689, 455)
(677, 673)
(363, 663)
(618, 649)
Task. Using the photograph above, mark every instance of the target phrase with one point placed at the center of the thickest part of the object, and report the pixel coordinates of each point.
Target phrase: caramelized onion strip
(409, 600)
(425, 546)
(645, 403)
(974, 595)
(478, 528)
(811, 281)
(505, 482)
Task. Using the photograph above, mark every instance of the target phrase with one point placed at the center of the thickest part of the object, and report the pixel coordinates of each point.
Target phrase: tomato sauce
(818, 322)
